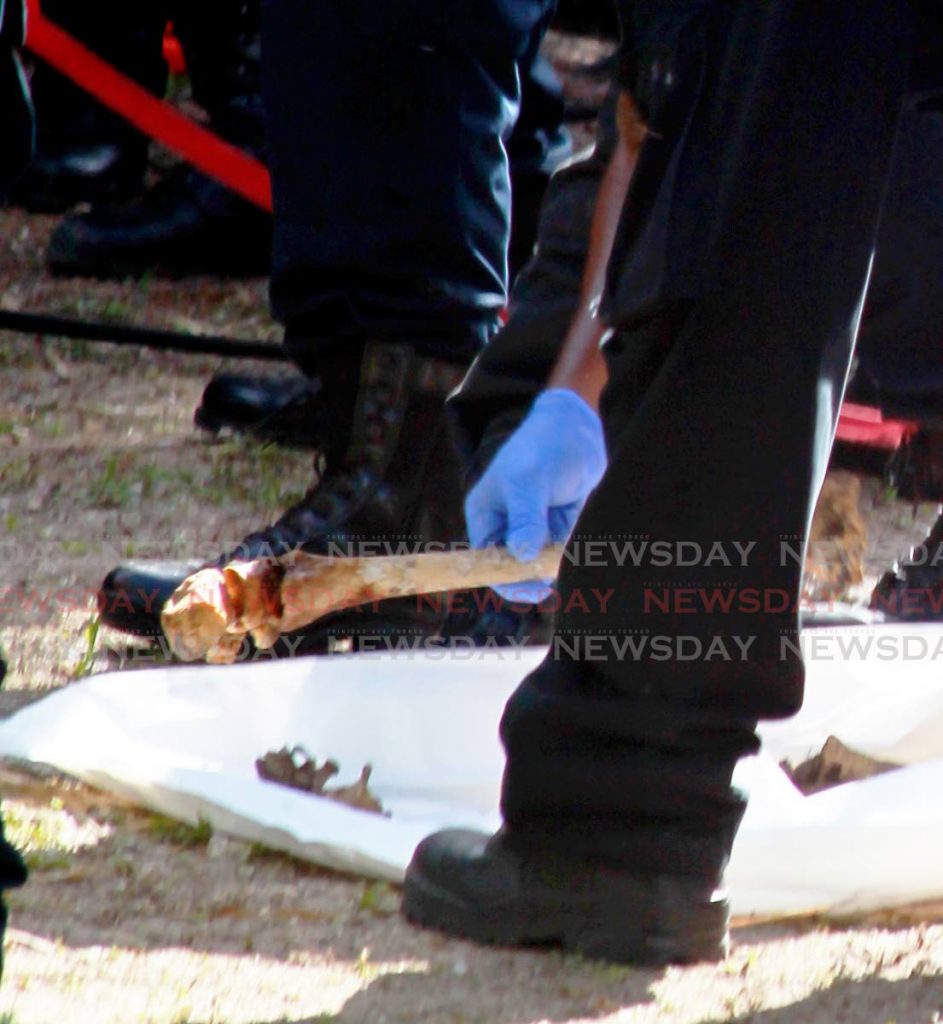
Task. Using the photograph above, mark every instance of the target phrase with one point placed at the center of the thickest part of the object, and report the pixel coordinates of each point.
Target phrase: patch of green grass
(75, 548)
(227, 472)
(151, 477)
(605, 972)
(363, 968)
(46, 860)
(115, 309)
(27, 833)
(121, 483)
(49, 425)
(259, 853)
(378, 898)
(270, 482)
(38, 839)
(111, 489)
(18, 473)
(156, 480)
(84, 665)
(243, 470)
(180, 833)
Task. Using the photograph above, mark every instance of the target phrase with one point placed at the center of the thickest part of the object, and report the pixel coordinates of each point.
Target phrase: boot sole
(596, 928)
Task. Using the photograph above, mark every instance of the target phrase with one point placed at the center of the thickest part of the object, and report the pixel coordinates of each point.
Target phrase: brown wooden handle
(212, 610)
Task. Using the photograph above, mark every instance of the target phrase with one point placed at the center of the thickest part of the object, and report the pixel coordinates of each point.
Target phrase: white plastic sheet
(183, 741)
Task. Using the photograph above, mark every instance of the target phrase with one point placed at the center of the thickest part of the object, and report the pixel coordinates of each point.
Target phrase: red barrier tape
(860, 424)
(159, 120)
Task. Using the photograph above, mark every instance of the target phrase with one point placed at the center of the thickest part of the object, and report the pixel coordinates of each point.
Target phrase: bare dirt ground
(129, 918)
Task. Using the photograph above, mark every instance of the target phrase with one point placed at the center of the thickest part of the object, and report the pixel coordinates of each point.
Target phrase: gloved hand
(535, 487)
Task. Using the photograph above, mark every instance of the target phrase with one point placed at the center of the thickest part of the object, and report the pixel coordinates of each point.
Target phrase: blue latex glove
(535, 487)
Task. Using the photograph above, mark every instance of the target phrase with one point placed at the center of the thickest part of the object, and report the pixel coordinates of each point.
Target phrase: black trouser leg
(127, 36)
(539, 142)
(222, 45)
(719, 413)
(901, 342)
(514, 366)
(85, 152)
(386, 128)
(16, 115)
(220, 39)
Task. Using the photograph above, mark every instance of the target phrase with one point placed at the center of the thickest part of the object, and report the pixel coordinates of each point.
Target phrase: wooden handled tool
(208, 615)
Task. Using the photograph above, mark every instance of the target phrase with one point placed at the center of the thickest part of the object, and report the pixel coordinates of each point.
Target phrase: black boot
(386, 416)
(474, 886)
(393, 486)
(60, 176)
(279, 410)
(913, 590)
(186, 224)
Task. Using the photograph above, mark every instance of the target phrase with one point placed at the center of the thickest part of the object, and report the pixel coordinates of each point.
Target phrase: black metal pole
(119, 334)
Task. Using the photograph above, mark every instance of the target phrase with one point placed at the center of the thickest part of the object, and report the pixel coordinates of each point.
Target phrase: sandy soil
(129, 918)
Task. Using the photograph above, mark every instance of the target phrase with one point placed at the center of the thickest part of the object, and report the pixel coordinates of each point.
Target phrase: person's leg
(900, 350)
(188, 223)
(390, 276)
(901, 342)
(538, 144)
(401, 120)
(85, 153)
(286, 409)
(13, 874)
(398, 256)
(16, 110)
(390, 179)
(900, 355)
(737, 288)
(514, 366)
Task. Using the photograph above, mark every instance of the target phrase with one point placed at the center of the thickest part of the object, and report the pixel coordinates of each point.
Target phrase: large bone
(211, 611)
